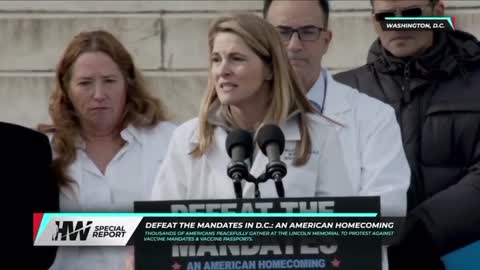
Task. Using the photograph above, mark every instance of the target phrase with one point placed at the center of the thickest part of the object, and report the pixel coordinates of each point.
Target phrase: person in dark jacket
(26, 171)
(432, 80)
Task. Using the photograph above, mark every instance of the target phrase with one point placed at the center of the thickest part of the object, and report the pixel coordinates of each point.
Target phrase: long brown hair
(286, 95)
(141, 110)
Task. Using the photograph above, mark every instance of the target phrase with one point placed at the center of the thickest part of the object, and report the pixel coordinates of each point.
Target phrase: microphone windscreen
(239, 137)
(270, 134)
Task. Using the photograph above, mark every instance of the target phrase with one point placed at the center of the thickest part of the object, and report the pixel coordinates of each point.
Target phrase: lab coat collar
(338, 100)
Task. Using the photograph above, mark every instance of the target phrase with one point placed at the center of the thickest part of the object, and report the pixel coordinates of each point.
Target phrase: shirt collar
(216, 117)
(317, 92)
(79, 142)
(129, 134)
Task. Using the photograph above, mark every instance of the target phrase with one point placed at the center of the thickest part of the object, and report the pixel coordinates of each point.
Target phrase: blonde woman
(250, 84)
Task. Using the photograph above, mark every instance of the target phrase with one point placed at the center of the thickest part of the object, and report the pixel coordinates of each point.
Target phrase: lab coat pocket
(299, 182)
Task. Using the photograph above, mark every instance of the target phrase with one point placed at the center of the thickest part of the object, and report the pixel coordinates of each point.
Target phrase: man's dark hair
(432, 2)
(323, 5)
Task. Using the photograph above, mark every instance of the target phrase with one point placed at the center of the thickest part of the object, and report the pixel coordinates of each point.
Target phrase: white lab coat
(182, 177)
(372, 145)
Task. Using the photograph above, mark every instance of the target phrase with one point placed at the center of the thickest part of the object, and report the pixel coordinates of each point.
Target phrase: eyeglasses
(305, 33)
(406, 12)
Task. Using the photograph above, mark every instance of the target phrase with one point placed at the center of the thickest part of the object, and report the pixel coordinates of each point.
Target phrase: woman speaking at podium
(251, 83)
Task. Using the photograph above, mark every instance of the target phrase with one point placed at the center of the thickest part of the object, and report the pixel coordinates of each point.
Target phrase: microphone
(239, 145)
(271, 141)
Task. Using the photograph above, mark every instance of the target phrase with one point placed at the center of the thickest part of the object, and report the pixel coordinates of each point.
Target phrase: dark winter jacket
(437, 101)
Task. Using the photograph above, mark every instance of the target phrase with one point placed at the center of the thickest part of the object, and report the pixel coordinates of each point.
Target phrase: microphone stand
(236, 171)
(276, 170)
(256, 181)
(237, 185)
(277, 179)
(276, 176)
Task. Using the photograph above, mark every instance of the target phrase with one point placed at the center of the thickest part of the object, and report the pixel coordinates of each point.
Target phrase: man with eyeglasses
(368, 130)
(432, 80)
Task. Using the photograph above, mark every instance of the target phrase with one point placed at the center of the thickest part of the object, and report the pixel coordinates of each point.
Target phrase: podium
(261, 252)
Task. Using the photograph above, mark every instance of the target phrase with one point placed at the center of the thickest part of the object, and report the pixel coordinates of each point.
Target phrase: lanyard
(324, 94)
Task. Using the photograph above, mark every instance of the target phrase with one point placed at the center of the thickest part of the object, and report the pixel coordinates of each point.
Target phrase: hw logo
(67, 230)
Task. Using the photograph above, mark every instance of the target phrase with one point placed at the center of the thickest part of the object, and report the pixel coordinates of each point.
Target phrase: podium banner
(287, 233)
